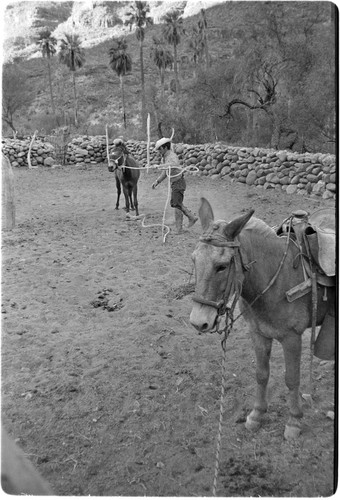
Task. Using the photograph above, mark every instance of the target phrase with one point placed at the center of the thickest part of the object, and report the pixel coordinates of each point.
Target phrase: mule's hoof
(252, 424)
(292, 432)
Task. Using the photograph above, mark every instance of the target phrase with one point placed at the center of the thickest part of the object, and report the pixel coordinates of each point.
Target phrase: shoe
(192, 221)
(192, 218)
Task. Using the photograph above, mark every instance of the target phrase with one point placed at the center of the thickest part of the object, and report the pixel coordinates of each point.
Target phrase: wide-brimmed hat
(161, 142)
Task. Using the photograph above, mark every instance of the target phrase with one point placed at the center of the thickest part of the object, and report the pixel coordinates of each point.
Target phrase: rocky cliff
(94, 21)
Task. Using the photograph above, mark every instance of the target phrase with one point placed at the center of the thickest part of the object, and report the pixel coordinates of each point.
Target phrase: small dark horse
(243, 256)
(125, 176)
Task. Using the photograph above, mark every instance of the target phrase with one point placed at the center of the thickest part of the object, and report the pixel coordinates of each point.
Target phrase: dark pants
(177, 193)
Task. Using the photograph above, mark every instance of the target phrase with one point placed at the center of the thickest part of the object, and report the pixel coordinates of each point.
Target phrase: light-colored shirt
(171, 160)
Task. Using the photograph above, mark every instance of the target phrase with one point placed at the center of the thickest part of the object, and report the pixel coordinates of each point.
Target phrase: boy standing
(177, 182)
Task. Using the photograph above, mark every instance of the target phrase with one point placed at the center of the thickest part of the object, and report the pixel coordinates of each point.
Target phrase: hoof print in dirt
(108, 300)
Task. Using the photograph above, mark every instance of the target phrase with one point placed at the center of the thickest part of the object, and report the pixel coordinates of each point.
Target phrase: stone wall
(266, 168)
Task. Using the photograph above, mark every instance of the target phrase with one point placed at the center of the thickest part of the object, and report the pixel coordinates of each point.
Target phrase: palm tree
(72, 55)
(139, 17)
(203, 26)
(172, 32)
(47, 45)
(196, 46)
(121, 63)
(163, 59)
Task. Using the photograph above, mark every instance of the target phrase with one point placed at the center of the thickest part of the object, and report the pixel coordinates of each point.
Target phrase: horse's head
(118, 152)
(218, 267)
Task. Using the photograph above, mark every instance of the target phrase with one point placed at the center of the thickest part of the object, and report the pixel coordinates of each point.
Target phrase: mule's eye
(221, 268)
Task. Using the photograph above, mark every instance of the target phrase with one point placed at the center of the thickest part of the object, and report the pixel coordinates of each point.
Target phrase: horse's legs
(263, 347)
(127, 199)
(292, 353)
(118, 192)
(132, 206)
(135, 201)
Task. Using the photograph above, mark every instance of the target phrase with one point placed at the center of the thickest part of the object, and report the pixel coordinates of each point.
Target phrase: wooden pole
(8, 198)
(107, 146)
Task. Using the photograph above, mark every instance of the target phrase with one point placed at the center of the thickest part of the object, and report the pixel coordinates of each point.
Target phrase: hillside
(96, 23)
(240, 35)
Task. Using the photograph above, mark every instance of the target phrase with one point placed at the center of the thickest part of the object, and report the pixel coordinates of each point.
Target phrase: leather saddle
(315, 237)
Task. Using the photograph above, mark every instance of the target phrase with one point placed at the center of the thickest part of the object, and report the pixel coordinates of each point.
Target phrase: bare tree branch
(266, 95)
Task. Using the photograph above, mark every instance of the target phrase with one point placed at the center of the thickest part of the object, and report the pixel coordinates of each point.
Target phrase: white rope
(163, 225)
(29, 151)
(107, 146)
(169, 176)
(159, 167)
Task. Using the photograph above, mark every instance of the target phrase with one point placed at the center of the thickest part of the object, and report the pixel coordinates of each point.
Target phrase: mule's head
(216, 266)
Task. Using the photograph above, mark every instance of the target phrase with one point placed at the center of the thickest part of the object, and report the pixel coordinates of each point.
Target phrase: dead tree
(266, 94)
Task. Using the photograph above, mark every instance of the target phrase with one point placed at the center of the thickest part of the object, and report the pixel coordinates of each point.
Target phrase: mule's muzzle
(204, 318)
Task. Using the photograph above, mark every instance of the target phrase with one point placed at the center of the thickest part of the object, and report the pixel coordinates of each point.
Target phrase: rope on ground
(219, 435)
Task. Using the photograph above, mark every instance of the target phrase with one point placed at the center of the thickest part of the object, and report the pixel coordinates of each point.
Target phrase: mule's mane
(256, 226)
(260, 228)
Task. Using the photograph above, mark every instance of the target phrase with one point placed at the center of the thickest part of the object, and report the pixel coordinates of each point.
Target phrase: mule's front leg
(292, 353)
(263, 347)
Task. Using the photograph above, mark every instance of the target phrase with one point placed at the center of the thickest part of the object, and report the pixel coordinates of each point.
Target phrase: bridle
(233, 287)
(218, 240)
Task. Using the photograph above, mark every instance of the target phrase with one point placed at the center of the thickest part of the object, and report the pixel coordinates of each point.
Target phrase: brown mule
(244, 255)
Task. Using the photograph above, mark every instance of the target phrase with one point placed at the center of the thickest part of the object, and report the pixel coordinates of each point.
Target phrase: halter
(235, 286)
(124, 161)
(123, 155)
(221, 306)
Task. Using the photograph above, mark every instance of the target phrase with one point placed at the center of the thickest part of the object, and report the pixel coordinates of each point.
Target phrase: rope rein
(227, 330)
(220, 423)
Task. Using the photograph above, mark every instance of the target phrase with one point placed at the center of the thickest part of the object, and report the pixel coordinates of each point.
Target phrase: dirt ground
(105, 384)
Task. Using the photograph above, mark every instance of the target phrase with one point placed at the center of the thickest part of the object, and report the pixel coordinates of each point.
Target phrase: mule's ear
(205, 214)
(235, 226)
